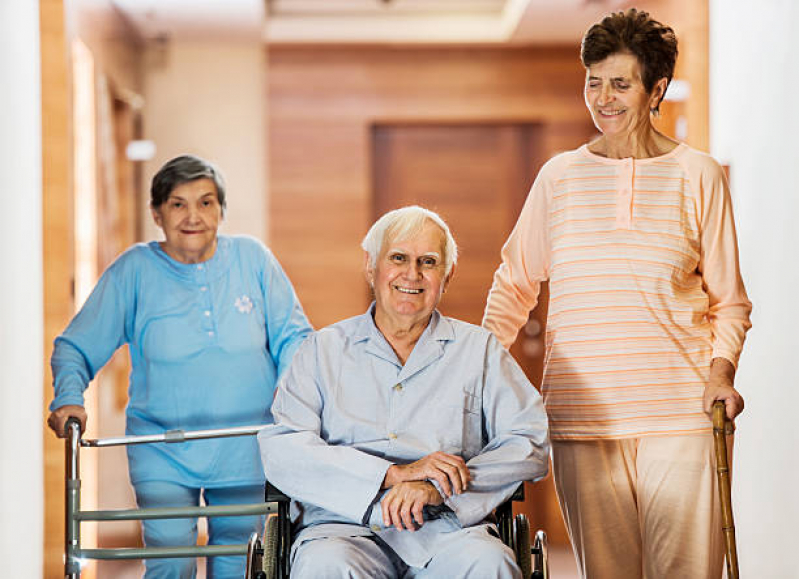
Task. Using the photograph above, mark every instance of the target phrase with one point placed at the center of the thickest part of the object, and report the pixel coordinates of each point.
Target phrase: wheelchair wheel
(521, 545)
(541, 556)
(271, 549)
(254, 556)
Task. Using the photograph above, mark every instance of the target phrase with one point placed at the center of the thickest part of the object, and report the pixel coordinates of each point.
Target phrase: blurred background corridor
(322, 115)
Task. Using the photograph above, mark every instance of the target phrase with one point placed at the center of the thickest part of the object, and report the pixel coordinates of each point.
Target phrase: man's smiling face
(409, 277)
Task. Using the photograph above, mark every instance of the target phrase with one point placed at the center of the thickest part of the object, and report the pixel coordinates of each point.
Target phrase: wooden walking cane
(722, 427)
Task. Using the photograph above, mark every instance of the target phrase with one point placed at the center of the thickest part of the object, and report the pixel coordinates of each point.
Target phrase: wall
(57, 239)
(113, 42)
(323, 103)
(689, 19)
(21, 303)
(207, 98)
(754, 123)
(114, 48)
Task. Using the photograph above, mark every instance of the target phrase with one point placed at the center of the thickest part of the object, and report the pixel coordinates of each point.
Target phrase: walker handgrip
(70, 421)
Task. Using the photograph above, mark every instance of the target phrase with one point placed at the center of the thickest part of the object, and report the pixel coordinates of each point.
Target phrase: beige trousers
(641, 508)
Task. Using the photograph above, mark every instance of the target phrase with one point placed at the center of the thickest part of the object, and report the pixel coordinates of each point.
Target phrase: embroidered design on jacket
(243, 304)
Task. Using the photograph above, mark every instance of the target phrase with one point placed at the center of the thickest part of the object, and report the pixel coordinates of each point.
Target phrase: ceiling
(368, 21)
(281, 8)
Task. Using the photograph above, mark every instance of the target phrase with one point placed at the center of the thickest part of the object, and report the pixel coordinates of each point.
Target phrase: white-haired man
(397, 432)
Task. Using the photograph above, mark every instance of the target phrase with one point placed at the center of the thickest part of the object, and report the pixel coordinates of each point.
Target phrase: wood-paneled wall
(115, 50)
(690, 21)
(323, 103)
(58, 257)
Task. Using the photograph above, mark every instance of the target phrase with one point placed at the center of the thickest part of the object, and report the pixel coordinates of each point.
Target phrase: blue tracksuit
(207, 342)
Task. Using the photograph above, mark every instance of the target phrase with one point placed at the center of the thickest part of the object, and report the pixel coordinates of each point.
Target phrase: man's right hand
(58, 418)
(403, 506)
(448, 470)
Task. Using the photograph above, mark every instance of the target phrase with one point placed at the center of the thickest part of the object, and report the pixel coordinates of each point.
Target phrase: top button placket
(395, 399)
(206, 306)
(624, 196)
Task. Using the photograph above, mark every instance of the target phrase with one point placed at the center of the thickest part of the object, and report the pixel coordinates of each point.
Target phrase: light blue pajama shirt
(207, 343)
(348, 409)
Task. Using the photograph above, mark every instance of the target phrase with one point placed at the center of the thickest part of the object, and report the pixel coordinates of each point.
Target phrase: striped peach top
(645, 289)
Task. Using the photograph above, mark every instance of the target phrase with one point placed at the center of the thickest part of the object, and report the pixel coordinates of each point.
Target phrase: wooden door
(476, 176)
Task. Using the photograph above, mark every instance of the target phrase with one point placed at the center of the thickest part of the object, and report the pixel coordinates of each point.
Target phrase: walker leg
(72, 489)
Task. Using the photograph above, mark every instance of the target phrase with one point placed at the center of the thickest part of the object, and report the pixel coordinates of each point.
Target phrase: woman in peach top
(647, 316)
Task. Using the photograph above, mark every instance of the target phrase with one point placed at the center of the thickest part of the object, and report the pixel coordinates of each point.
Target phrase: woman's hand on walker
(57, 420)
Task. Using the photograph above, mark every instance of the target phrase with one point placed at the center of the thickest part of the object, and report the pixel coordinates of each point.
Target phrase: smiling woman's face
(408, 278)
(615, 95)
(190, 218)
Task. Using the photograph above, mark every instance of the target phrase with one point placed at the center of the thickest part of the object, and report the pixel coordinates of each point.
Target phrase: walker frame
(75, 553)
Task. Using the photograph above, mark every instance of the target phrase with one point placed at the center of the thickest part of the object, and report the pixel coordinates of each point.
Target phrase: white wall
(208, 98)
(754, 127)
(21, 294)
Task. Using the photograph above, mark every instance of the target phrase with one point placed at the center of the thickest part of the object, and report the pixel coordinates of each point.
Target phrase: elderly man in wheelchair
(398, 432)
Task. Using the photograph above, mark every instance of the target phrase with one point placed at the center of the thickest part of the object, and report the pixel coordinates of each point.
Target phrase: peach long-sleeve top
(645, 290)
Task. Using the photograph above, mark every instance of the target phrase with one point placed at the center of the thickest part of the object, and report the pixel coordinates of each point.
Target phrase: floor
(561, 566)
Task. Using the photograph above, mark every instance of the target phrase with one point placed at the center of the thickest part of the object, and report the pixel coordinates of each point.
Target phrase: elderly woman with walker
(647, 317)
(211, 321)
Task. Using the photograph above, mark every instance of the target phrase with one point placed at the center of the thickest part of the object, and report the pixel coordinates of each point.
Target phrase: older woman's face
(190, 219)
(408, 278)
(616, 97)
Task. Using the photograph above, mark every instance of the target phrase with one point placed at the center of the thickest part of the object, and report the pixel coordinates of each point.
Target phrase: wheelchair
(269, 558)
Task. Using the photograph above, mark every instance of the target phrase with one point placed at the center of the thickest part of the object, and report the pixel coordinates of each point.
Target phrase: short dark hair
(181, 170)
(633, 31)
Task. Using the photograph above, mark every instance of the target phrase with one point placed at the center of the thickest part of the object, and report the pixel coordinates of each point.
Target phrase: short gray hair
(403, 223)
(185, 169)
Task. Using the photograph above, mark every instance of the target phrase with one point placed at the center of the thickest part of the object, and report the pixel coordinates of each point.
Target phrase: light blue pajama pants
(476, 556)
(179, 532)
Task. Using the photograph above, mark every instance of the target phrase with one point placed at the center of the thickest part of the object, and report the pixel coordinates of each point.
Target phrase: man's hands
(448, 470)
(58, 418)
(411, 489)
(403, 504)
(720, 387)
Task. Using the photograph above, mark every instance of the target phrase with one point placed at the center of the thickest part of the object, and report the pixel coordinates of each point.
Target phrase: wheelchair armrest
(274, 494)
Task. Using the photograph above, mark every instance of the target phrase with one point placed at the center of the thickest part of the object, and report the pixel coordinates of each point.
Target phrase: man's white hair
(404, 223)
